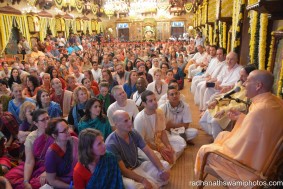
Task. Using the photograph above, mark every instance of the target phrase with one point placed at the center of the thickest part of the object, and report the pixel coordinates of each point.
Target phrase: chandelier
(115, 6)
(137, 9)
(140, 9)
(143, 6)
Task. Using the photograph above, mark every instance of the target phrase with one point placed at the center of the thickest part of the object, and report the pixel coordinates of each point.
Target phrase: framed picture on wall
(276, 66)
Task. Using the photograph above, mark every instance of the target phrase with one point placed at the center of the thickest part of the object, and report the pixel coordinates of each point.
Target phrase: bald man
(226, 80)
(254, 136)
(124, 143)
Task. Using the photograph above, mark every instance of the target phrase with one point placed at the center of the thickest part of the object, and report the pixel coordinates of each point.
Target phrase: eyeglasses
(45, 119)
(64, 131)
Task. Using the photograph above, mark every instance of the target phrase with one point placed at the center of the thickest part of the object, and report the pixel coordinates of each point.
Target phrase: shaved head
(118, 114)
(264, 77)
(55, 80)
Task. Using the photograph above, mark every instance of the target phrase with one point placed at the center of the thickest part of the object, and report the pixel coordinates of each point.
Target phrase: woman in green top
(105, 97)
(94, 118)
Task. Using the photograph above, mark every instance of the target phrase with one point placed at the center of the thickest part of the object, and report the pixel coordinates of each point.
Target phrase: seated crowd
(117, 119)
(77, 119)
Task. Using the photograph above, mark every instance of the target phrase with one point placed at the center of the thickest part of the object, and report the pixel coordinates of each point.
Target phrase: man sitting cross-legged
(124, 143)
(151, 124)
(178, 115)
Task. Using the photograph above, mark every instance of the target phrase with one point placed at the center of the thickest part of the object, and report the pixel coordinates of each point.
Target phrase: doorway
(123, 32)
(177, 29)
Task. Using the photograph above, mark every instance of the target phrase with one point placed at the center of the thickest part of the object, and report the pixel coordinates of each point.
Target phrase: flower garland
(237, 27)
(229, 40)
(59, 3)
(256, 51)
(280, 83)
(253, 23)
(272, 43)
(224, 30)
(206, 33)
(205, 11)
(220, 34)
(215, 35)
(79, 6)
(210, 34)
(234, 20)
(262, 40)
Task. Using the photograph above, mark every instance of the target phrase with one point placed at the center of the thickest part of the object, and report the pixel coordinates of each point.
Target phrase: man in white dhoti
(201, 86)
(197, 60)
(178, 115)
(151, 125)
(226, 80)
(211, 66)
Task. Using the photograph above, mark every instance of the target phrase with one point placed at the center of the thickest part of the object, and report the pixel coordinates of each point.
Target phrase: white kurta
(152, 88)
(227, 78)
(130, 108)
(201, 86)
(137, 98)
(199, 58)
(96, 74)
(147, 126)
(184, 116)
(196, 79)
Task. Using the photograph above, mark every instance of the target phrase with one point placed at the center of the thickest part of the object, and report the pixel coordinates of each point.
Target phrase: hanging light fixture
(115, 6)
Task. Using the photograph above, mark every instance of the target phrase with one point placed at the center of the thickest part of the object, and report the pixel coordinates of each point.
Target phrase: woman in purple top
(62, 155)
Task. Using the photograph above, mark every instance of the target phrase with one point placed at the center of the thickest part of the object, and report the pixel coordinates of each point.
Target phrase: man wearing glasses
(178, 116)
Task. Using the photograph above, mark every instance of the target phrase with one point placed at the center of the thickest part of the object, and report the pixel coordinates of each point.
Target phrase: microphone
(237, 89)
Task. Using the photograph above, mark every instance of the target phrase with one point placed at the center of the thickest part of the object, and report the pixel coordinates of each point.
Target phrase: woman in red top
(88, 74)
(93, 91)
(96, 167)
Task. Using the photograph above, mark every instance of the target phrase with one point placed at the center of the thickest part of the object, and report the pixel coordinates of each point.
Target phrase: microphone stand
(247, 103)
